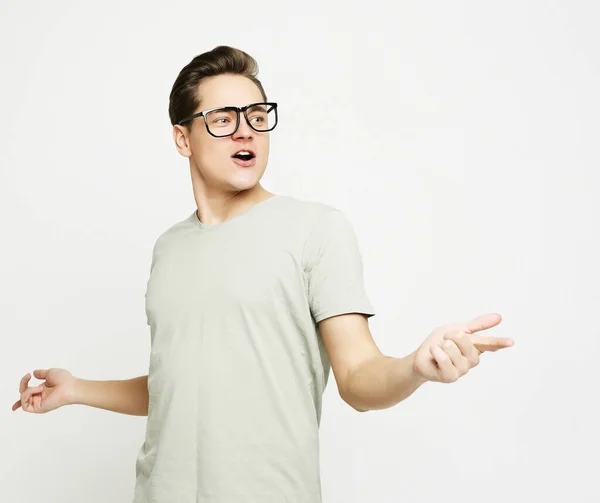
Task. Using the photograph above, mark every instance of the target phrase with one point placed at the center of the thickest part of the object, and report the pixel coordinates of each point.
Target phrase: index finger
(23, 384)
(483, 343)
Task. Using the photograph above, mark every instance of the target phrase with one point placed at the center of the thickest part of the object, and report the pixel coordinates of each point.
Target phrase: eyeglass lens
(223, 121)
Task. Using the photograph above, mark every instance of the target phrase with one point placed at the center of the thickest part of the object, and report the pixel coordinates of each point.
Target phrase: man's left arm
(369, 380)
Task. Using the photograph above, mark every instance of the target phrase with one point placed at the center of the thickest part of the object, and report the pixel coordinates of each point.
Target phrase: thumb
(40, 373)
(483, 322)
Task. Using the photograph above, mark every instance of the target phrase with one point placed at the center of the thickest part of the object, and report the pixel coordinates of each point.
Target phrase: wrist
(417, 376)
(75, 394)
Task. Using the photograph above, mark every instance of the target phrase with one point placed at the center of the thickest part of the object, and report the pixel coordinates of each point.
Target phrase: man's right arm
(124, 396)
(60, 388)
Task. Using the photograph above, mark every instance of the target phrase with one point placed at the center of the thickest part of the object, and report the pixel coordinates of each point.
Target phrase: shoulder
(308, 212)
(175, 233)
(314, 221)
(323, 230)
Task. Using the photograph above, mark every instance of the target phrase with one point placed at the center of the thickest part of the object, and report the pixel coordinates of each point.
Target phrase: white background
(460, 138)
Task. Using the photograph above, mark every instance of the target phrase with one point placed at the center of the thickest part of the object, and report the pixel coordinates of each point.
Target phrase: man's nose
(244, 130)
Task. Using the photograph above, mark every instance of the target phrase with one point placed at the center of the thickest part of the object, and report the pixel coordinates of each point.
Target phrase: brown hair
(184, 98)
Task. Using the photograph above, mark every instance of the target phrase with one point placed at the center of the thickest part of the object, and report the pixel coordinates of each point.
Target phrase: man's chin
(244, 180)
(242, 184)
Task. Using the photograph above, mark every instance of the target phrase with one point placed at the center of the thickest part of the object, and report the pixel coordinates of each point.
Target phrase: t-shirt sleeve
(333, 269)
(152, 263)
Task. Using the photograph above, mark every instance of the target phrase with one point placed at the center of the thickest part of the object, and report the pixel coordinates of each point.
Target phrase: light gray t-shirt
(237, 365)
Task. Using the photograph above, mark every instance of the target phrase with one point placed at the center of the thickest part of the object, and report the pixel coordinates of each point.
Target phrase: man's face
(213, 157)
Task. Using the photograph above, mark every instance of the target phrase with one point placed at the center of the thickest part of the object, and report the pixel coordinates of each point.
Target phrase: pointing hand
(450, 351)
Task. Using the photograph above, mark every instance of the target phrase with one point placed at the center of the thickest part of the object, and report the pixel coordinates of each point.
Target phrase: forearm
(125, 396)
(381, 383)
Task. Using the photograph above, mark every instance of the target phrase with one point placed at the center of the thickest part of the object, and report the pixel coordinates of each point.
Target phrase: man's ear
(182, 140)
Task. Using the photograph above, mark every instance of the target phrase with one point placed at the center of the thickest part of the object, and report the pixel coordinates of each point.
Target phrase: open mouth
(244, 155)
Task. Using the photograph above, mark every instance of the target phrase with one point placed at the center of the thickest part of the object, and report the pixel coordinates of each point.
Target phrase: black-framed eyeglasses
(225, 121)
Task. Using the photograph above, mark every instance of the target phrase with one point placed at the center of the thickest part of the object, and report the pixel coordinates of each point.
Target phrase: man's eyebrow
(261, 107)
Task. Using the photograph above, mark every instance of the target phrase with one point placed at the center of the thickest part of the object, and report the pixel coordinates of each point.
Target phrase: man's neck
(214, 207)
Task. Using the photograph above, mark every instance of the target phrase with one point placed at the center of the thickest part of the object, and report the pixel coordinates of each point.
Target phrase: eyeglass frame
(238, 110)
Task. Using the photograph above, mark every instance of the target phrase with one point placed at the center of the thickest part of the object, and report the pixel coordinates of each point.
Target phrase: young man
(250, 300)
